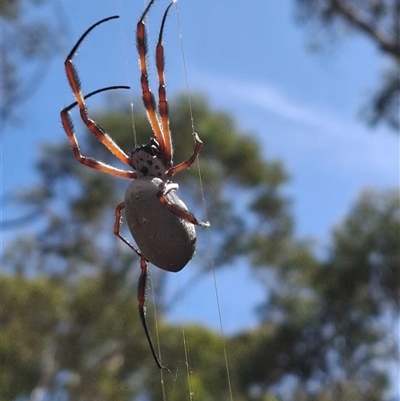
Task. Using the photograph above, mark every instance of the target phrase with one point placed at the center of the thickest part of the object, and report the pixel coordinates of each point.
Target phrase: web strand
(204, 209)
(157, 338)
(127, 49)
(185, 345)
(128, 72)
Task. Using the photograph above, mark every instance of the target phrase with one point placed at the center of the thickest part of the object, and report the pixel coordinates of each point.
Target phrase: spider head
(146, 160)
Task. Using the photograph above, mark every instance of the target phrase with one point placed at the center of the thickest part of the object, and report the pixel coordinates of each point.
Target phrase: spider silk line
(126, 51)
(128, 73)
(132, 112)
(157, 337)
(185, 342)
(127, 69)
(154, 307)
(148, 32)
(189, 371)
(204, 209)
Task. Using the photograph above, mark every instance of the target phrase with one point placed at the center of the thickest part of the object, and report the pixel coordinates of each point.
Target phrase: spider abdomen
(165, 239)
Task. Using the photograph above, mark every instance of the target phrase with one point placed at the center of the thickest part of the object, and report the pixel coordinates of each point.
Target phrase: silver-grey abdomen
(165, 239)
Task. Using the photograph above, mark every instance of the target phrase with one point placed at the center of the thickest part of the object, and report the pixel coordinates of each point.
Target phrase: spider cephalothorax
(146, 160)
(159, 221)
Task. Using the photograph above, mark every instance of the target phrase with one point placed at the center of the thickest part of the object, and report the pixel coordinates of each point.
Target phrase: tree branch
(354, 17)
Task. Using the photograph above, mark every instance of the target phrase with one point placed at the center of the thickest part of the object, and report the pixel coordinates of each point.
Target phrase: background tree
(76, 248)
(379, 21)
(331, 324)
(69, 313)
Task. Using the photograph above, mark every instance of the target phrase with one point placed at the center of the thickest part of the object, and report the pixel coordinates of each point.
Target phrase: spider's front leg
(161, 195)
(85, 160)
(93, 126)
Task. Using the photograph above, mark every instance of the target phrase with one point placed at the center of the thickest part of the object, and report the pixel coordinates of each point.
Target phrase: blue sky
(251, 60)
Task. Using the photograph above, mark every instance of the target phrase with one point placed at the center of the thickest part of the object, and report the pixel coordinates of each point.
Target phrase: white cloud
(264, 96)
(271, 99)
(321, 135)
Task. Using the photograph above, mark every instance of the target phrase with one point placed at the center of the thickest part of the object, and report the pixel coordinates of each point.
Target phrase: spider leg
(190, 161)
(162, 98)
(177, 210)
(74, 82)
(107, 88)
(89, 161)
(142, 286)
(147, 96)
(117, 226)
(142, 289)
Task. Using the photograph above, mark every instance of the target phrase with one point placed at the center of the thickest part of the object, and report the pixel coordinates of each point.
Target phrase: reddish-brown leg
(188, 162)
(117, 226)
(94, 128)
(148, 97)
(88, 161)
(178, 211)
(162, 96)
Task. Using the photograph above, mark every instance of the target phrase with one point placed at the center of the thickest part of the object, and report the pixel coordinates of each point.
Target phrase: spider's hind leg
(142, 288)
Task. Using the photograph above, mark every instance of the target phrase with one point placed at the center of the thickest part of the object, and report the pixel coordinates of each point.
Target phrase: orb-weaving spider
(159, 221)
